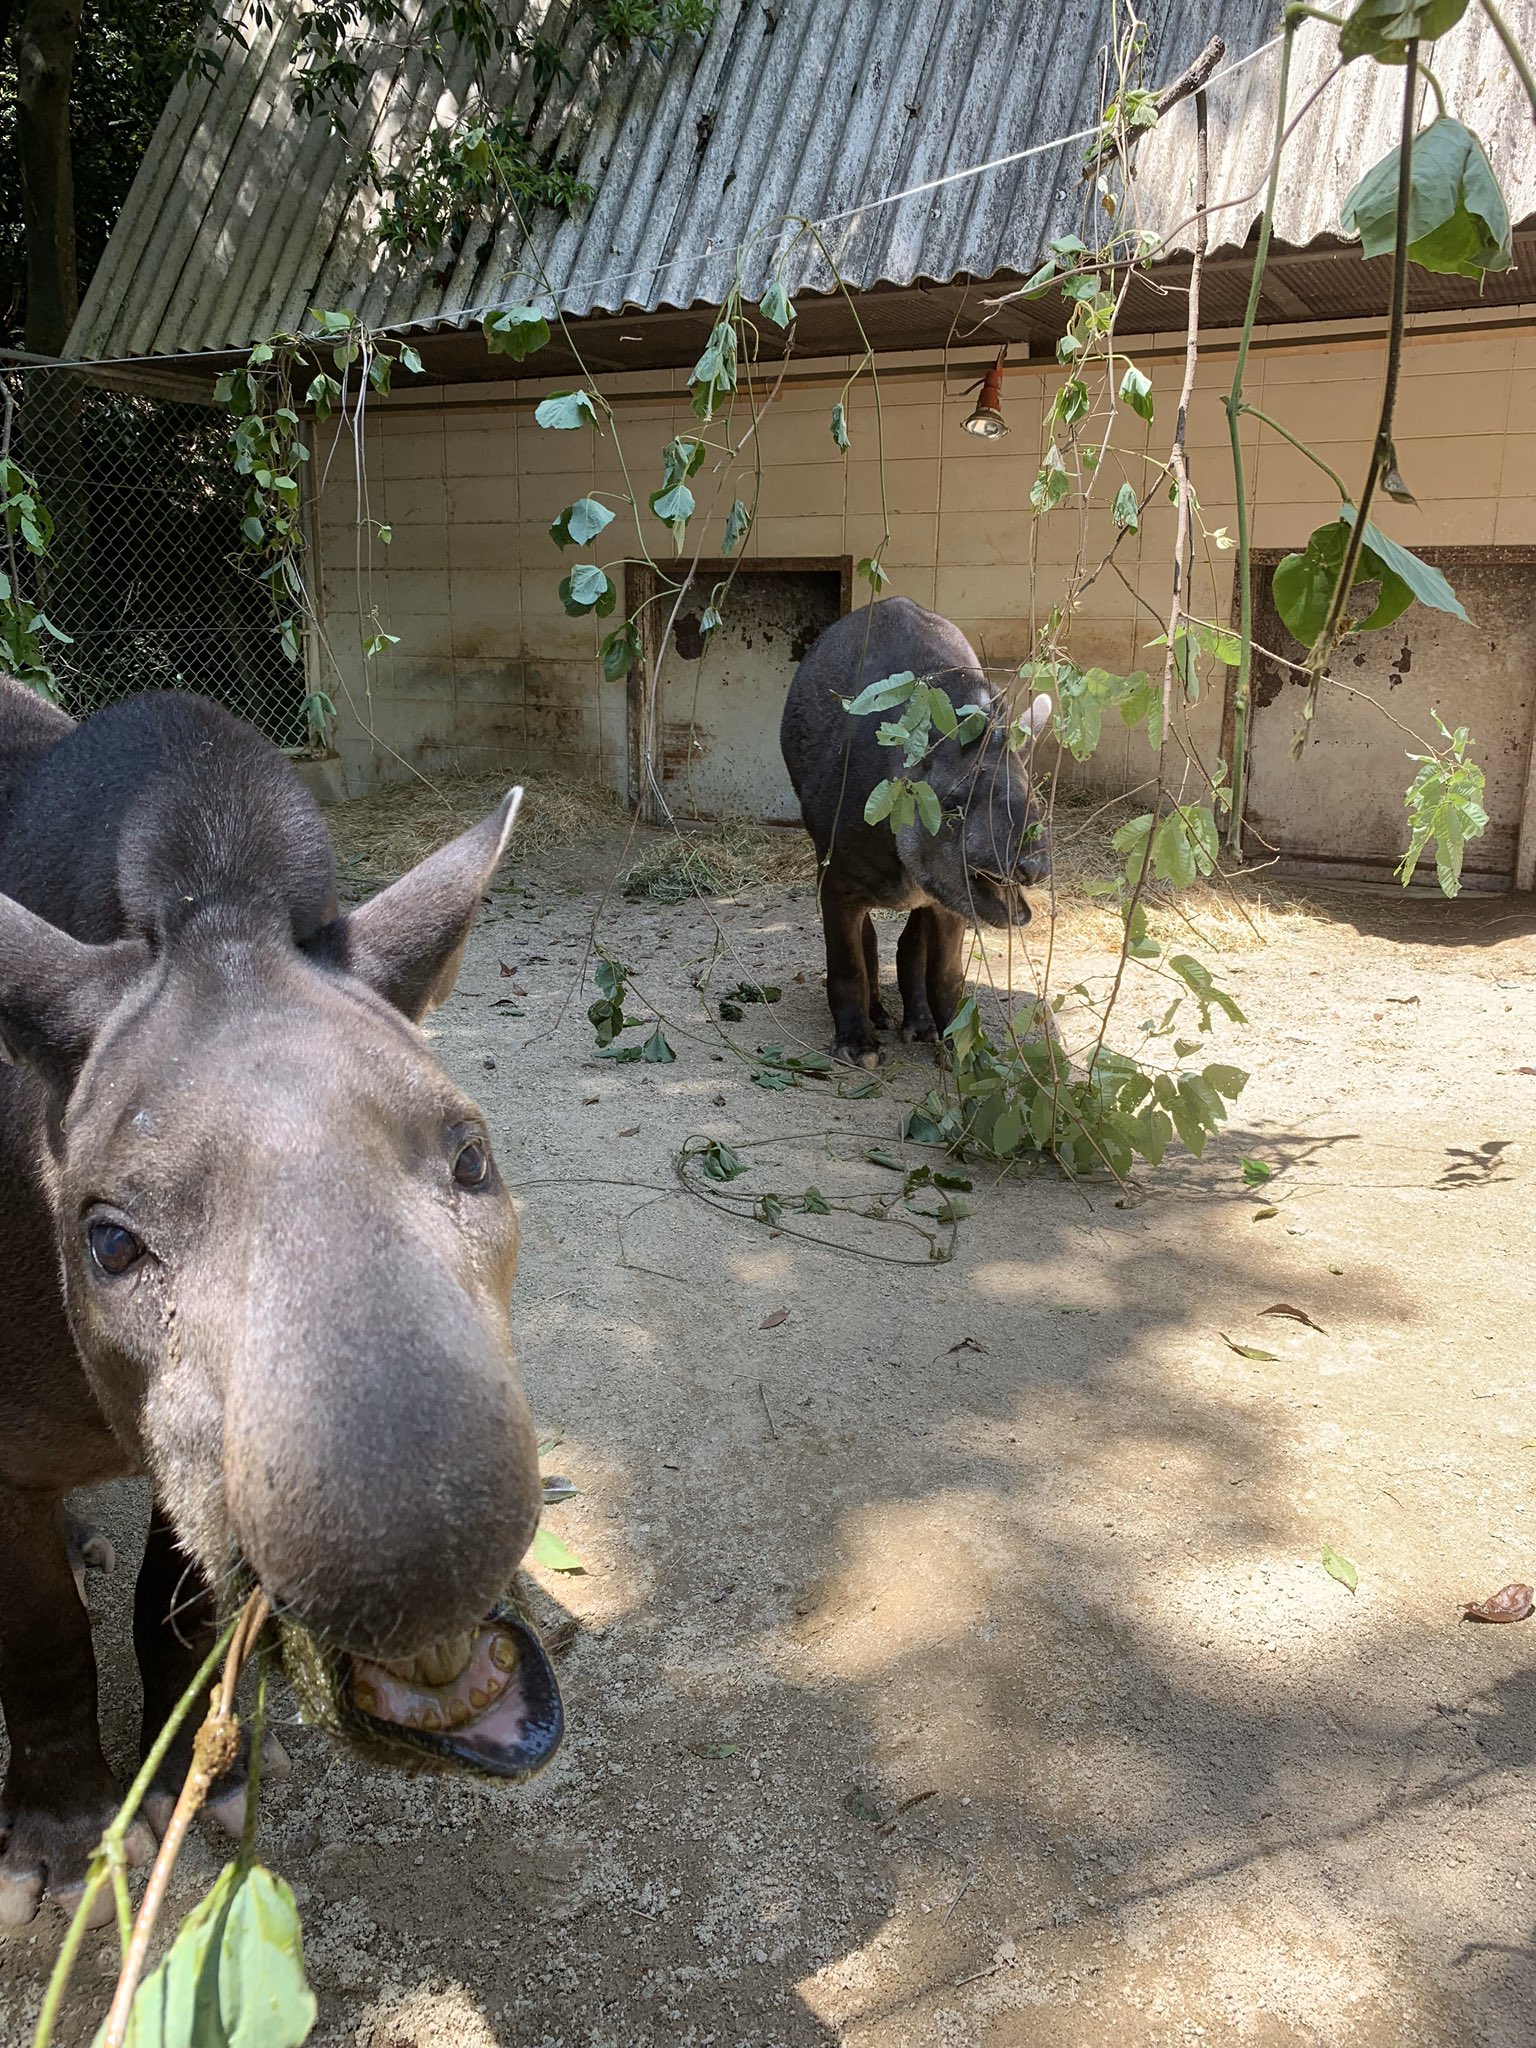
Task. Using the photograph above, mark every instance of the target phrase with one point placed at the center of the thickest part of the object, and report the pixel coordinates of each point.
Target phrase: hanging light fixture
(987, 421)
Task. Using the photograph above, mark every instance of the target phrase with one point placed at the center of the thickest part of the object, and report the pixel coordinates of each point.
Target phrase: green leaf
(1136, 392)
(580, 523)
(253, 530)
(814, 1203)
(656, 1051)
(621, 651)
(775, 305)
(872, 574)
(1250, 1350)
(674, 507)
(1039, 284)
(550, 1552)
(878, 803)
(720, 1162)
(565, 410)
(1339, 1567)
(1383, 28)
(517, 332)
(881, 695)
(840, 425)
(1256, 1172)
(737, 523)
(878, 1156)
(1425, 582)
(1125, 510)
(1201, 983)
(1458, 222)
(929, 808)
(1070, 403)
(588, 589)
(234, 1975)
(681, 458)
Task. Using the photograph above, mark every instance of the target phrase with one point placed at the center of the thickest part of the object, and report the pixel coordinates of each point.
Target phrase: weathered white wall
(490, 671)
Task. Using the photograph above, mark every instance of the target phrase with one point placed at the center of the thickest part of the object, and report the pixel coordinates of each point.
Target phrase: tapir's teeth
(445, 1687)
(440, 1665)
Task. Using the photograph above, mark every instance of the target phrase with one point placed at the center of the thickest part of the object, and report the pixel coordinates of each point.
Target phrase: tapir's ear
(408, 941)
(55, 993)
(1037, 717)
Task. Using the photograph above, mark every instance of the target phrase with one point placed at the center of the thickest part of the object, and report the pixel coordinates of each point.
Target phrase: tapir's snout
(1033, 864)
(381, 1467)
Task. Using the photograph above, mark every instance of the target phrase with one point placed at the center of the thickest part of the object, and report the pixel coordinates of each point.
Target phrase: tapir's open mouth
(486, 1700)
(1000, 899)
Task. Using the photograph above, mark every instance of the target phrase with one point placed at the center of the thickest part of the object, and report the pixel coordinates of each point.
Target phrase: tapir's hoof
(88, 1550)
(920, 1031)
(879, 1017)
(226, 1809)
(48, 1852)
(857, 1055)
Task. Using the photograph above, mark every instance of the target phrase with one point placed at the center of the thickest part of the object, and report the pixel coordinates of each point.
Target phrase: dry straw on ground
(378, 837)
(720, 860)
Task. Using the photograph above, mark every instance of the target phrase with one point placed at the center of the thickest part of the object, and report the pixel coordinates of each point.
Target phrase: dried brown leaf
(772, 1322)
(1249, 1350)
(1259, 1215)
(1297, 1315)
(1510, 1603)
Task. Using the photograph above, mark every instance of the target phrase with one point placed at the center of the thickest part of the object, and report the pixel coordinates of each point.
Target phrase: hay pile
(378, 837)
(721, 860)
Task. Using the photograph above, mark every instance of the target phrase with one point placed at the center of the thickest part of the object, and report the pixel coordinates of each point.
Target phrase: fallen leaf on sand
(1510, 1603)
(1249, 1350)
(772, 1322)
(1259, 1215)
(632, 1132)
(1297, 1315)
(1339, 1567)
(967, 1344)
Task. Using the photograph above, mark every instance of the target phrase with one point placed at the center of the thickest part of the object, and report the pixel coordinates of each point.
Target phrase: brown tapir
(253, 1243)
(989, 847)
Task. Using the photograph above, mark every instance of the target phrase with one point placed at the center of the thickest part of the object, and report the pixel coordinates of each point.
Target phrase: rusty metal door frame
(1488, 555)
(643, 585)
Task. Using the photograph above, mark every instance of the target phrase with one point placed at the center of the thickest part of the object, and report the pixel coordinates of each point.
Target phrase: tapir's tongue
(486, 1700)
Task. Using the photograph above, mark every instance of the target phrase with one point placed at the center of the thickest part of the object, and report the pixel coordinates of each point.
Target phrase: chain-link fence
(145, 570)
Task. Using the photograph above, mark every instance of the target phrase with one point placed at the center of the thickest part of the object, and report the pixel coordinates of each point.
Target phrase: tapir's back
(152, 806)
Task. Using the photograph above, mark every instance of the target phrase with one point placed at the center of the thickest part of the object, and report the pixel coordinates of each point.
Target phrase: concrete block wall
(490, 672)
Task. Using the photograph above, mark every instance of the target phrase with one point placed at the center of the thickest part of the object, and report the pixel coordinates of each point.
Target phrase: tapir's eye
(114, 1248)
(472, 1163)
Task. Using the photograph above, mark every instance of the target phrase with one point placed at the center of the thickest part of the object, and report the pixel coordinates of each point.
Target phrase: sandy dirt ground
(956, 1664)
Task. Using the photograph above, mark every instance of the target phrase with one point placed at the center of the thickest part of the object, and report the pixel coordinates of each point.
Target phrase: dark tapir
(976, 868)
(252, 1243)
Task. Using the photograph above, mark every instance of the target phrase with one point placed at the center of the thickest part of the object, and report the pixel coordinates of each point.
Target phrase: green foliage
(606, 1015)
(518, 332)
(1458, 222)
(840, 426)
(234, 1975)
(580, 523)
(1051, 484)
(1026, 1095)
(621, 651)
(1444, 804)
(872, 573)
(775, 305)
(1082, 696)
(588, 589)
(738, 523)
(466, 173)
(564, 411)
(713, 377)
(1383, 28)
(25, 630)
(1136, 392)
(269, 451)
(1304, 583)
(901, 800)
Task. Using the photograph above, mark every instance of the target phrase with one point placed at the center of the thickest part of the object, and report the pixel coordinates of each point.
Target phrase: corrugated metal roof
(245, 214)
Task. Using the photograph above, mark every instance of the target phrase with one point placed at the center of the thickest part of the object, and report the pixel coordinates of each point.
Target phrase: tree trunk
(46, 36)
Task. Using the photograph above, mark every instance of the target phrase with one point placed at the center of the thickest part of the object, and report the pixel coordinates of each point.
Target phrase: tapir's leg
(946, 963)
(58, 1794)
(917, 1020)
(848, 980)
(877, 1016)
(173, 1631)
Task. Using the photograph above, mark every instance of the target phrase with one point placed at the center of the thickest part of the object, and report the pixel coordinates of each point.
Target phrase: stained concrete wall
(489, 671)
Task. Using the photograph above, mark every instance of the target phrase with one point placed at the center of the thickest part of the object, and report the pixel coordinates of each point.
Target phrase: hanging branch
(1243, 685)
(1383, 455)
